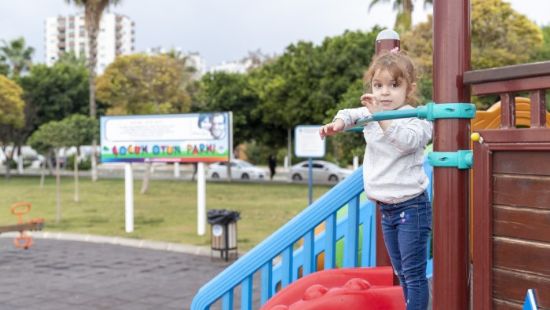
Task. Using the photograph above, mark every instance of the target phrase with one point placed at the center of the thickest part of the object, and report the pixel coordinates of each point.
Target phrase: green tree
(141, 84)
(543, 54)
(304, 85)
(11, 116)
(55, 92)
(17, 56)
(500, 36)
(189, 75)
(187, 69)
(71, 59)
(93, 10)
(285, 90)
(221, 91)
(81, 131)
(11, 103)
(53, 136)
(347, 145)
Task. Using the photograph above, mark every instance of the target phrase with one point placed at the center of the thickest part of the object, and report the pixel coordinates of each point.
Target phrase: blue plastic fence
(278, 262)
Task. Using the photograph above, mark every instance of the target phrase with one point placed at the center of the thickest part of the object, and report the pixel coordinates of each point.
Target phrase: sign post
(129, 198)
(192, 138)
(308, 143)
(201, 200)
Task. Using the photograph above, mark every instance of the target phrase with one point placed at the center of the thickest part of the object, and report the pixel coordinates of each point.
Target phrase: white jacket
(392, 166)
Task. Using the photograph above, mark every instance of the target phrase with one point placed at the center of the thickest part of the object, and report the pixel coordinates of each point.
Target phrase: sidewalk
(62, 271)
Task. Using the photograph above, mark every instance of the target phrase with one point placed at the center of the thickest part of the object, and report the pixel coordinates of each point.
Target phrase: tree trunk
(43, 171)
(76, 193)
(92, 61)
(146, 177)
(228, 172)
(94, 160)
(49, 163)
(8, 161)
(289, 154)
(19, 161)
(57, 189)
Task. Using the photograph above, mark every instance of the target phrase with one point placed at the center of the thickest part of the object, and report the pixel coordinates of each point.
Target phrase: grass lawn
(166, 213)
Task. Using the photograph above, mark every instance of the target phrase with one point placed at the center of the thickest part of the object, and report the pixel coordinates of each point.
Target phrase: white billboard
(308, 142)
(198, 137)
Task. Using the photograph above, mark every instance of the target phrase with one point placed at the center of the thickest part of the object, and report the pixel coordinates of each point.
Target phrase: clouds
(226, 29)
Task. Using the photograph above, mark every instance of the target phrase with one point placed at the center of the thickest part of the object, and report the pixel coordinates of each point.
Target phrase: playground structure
(23, 240)
(337, 289)
(510, 232)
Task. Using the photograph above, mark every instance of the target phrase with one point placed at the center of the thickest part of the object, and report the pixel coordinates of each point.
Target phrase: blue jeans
(406, 227)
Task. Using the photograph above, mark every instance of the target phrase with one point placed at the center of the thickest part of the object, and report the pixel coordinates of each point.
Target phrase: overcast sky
(226, 30)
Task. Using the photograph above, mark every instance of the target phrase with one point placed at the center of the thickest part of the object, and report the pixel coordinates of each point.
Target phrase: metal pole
(310, 180)
(386, 40)
(451, 58)
(201, 199)
(129, 195)
(177, 170)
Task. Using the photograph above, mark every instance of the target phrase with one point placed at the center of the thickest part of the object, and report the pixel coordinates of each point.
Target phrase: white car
(323, 171)
(240, 169)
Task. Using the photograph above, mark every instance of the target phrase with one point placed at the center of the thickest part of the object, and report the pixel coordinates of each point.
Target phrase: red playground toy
(337, 289)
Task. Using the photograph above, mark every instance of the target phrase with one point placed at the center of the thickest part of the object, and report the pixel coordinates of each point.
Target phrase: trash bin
(223, 231)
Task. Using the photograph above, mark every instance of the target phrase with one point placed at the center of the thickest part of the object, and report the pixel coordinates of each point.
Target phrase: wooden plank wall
(521, 227)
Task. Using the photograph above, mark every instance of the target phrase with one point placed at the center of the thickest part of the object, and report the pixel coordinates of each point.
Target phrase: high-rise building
(68, 34)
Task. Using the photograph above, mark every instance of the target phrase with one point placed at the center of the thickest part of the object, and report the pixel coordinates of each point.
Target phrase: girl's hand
(372, 103)
(332, 128)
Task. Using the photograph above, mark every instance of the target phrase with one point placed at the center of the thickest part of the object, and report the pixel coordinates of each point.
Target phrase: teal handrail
(430, 111)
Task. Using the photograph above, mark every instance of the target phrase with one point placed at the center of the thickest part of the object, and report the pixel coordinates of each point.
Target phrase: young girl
(392, 169)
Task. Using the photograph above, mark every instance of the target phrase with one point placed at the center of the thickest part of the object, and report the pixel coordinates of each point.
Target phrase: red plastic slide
(338, 289)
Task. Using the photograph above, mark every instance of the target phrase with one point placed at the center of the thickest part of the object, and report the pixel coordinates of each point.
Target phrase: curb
(136, 243)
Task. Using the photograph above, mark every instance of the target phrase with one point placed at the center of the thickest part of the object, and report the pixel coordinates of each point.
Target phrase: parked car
(323, 171)
(240, 169)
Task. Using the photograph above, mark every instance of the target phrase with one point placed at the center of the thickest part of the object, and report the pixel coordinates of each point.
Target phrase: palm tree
(17, 56)
(93, 9)
(404, 10)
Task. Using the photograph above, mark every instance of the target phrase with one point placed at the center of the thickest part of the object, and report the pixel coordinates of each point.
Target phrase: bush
(85, 164)
(13, 163)
(258, 154)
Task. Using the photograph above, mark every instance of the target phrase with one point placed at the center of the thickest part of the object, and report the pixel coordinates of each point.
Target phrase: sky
(226, 30)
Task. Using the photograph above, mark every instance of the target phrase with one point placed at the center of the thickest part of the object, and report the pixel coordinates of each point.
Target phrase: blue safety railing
(278, 262)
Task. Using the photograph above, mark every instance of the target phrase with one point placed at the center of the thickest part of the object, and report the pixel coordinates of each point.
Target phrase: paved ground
(62, 274)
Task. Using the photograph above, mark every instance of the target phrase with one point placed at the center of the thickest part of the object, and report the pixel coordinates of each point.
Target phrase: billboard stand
(308, 143)
(310, 180)
(129, 195)
(177, 170)
(201, 199)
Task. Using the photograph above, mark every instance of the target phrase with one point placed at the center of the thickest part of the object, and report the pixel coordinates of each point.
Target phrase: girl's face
(391, 93)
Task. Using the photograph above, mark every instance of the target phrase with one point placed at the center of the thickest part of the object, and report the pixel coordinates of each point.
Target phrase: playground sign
(199, 137)
(308, 142)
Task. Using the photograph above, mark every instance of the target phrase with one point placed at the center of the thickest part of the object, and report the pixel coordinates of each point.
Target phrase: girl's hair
(399, 65)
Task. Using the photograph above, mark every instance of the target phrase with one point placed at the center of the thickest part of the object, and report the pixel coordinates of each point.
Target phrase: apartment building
(68, 34)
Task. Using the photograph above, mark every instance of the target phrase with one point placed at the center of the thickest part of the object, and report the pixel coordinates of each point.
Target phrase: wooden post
(451, 58)
(386, 40)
